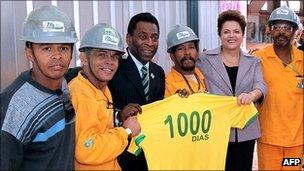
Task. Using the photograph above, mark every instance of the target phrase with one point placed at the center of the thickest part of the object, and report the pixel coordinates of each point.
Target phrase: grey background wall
(85, 14)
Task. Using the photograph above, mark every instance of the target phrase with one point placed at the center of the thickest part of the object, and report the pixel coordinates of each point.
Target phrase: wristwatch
(129, 132)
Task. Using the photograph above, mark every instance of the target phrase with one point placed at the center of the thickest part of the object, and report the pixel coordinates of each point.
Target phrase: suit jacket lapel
(244, 66)
(132, 73)
(216, 62)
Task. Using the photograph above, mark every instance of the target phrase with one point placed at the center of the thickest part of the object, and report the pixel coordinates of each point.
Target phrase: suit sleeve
(259, 82)
(96, 143)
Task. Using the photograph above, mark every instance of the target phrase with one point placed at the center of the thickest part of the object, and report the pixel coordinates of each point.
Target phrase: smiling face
(282, 33)
(50, 61)
(143, 43)
(231, 35)
(100, 65)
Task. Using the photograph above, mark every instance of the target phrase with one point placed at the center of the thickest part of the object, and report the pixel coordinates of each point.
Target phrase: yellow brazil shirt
(189, 133)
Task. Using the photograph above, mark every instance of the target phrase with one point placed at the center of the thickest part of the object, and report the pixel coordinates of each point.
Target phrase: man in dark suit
(138, 79)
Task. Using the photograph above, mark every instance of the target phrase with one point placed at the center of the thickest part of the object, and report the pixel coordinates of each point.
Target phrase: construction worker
(98, 142)
(281, 113)
(182, 44)
(37, 118)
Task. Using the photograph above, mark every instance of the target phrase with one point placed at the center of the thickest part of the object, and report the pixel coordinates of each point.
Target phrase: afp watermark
(291, 162)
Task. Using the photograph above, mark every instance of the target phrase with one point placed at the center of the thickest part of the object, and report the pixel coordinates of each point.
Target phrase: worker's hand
(183, 93)
(245, 99)
(132, 109)
(132, 123)
(250, 51)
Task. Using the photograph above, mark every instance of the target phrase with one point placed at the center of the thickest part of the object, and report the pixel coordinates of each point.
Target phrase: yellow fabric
(281, 113)
(195, 149)
(98, 143)
(175, 81)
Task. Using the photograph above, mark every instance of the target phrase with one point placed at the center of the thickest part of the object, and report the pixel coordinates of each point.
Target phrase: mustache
(60, 63)
(281, 36)
(188, 58)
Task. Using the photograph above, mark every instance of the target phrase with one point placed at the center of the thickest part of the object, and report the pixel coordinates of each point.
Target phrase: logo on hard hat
(182, 34)
(52, 26)
(282, 11)
(109, 31)
(108, 39)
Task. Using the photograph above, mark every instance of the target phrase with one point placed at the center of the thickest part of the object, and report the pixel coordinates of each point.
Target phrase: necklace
(234, 63)
(292, 67)
(109, 104)
(188, 84)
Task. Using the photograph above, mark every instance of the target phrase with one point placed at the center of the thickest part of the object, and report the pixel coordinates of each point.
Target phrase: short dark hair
(86, 50)
(145, 17)
(28, 44)
(231, 15)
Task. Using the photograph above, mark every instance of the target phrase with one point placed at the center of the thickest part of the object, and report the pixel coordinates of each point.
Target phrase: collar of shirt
(179, 78)
(296, 54)
(138, 64)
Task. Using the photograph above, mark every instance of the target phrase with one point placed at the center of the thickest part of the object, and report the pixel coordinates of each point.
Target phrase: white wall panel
(207, 16)
(21, 62)
(104, 11)
(37, 4)
(13, 60)
(84, 14)
(68, 8)
(8, 57)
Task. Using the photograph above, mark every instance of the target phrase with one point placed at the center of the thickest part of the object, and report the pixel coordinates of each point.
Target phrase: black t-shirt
(232, 73)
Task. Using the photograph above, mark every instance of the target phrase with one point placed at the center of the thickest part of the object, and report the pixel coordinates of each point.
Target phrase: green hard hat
(285, 14)
(180, 34)
(102, 36)
(48, 24)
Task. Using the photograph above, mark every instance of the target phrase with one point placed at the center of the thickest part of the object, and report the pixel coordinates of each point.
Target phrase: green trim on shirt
(251, 119)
